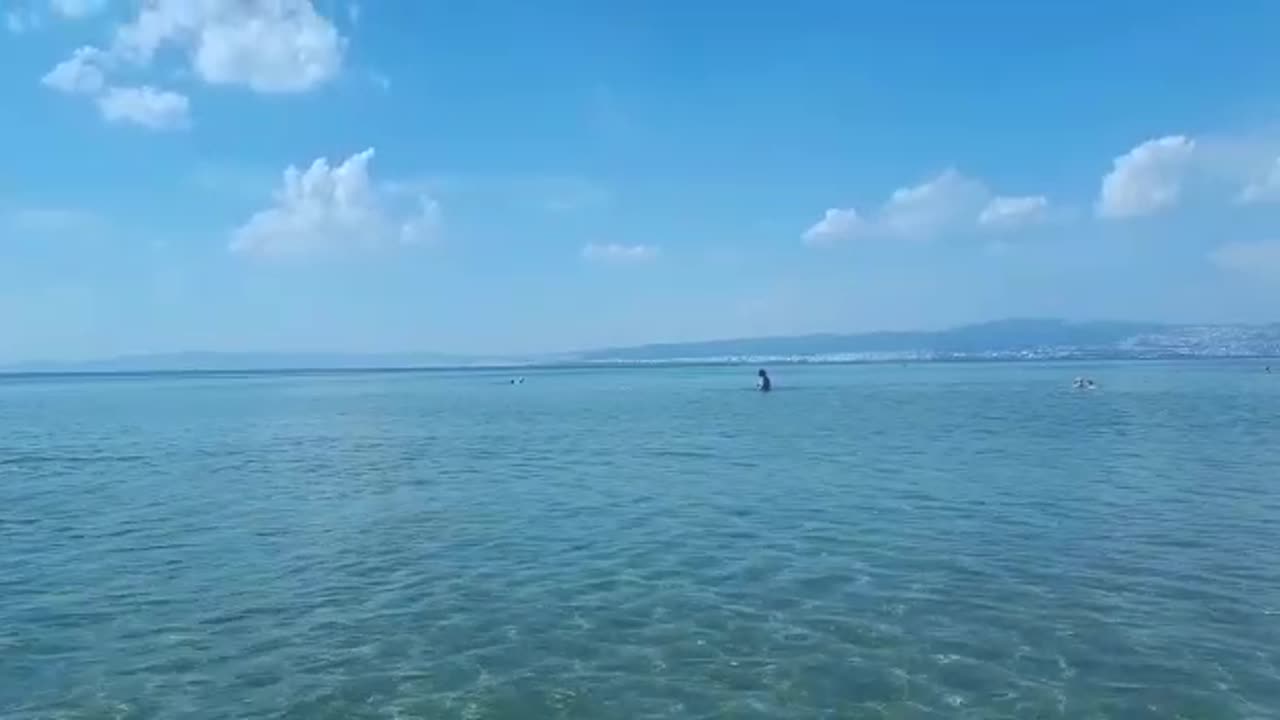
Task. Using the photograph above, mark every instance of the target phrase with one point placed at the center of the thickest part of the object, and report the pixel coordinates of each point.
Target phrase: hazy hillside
(1003, 339)
(1002, 336)
(1007, 339)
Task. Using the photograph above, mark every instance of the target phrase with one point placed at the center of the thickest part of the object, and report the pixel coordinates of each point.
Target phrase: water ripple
(970, 542)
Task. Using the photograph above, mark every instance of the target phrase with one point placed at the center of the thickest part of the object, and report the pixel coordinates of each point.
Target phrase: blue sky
(497, 177)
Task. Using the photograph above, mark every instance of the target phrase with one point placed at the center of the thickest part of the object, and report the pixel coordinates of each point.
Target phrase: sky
(501, 176)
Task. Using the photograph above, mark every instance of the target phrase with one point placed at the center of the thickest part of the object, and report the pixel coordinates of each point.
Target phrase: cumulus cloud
(1013, 212)
(267, 46)
(79, 74)
(836, 224)
(76, 9)
(1147, 179)
(326, 209)
(1261, 258)
(275, 46)
(948, 202)
(618, 253)
(145, 106)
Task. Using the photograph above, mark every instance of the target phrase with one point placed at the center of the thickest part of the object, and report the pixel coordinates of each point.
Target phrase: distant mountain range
(996, 337)
(1028, 339)
(1005, 339)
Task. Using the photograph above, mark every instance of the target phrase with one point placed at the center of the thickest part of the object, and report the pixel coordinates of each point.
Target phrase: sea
(867, 541)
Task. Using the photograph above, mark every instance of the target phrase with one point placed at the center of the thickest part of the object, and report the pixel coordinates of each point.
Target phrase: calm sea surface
(949, 541)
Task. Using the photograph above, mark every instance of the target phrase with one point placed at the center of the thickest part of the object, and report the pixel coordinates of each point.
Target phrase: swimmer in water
(763, 384)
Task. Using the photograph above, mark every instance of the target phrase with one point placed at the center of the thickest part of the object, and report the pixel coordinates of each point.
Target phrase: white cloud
(268, 46)
(326, 209)
(1261, 258)
(145, 106)
(1147, 179)
(1013, 212)
(79, 74)
(617, 253)
(83, 74)
(1265, 189)
(76, 9)
(276, 46)
(837, 224)
(948, 202)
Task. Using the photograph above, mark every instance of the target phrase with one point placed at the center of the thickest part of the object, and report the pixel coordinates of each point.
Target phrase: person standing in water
(764, 384)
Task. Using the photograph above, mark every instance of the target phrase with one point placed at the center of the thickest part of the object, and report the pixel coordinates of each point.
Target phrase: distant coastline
(1003, 341)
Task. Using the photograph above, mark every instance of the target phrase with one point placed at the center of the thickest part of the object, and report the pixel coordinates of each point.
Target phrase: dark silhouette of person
(764, 384)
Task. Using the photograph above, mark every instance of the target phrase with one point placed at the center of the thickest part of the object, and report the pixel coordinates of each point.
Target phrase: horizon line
(463, 360)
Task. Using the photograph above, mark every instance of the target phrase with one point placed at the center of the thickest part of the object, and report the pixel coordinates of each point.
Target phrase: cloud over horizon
(1147, 179)
(949, 202)
(326, 209)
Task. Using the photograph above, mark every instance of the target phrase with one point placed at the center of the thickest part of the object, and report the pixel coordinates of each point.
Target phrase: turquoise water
(950, 541)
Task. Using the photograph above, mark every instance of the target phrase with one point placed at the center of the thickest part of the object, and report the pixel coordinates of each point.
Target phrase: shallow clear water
(972, 541)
